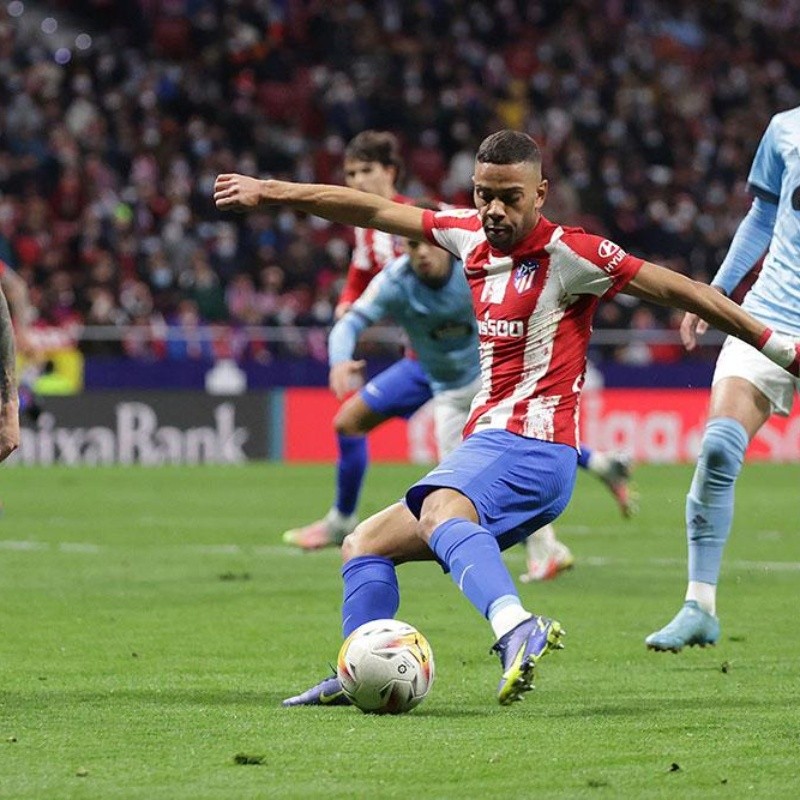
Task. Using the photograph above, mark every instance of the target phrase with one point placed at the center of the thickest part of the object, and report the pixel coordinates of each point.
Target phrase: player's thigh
(748, 387)
(737, 398)
(450, 414)
(355, 417)
(398, 391)
(392, 533)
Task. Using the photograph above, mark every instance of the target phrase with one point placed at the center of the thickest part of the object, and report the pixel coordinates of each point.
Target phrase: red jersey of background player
(372, 252)
(534, 308)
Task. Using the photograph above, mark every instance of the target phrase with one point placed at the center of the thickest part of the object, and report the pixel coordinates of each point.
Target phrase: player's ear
(541, 193)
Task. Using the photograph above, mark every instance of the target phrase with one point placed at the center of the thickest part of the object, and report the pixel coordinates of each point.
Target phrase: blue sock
(370, 591)
(584, 454)
(350, 469)
(709, 504)
(476, 566)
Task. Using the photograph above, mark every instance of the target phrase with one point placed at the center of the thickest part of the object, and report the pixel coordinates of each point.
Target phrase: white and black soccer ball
(386, 667)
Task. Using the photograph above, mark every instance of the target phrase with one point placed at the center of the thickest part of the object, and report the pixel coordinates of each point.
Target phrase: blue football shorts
(516, 484)
(399, 390)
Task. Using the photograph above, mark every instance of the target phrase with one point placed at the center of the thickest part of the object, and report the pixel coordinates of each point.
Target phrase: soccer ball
(385, 667)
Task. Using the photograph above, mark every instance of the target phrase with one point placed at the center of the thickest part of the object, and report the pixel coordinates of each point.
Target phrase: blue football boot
(691, 626)
(520, 650)
(325, 693)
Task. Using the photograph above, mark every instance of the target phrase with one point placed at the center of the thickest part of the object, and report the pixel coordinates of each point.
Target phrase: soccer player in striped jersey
(426, 293)
(535, 285)
(372, 164)
(747, 388)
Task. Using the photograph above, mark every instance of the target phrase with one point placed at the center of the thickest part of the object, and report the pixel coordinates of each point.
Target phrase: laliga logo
(612, 252)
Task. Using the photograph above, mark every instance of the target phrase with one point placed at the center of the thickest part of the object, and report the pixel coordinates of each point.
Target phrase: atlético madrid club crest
(524, 274)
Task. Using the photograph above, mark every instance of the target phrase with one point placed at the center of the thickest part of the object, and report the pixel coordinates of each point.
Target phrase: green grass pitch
(151, 622)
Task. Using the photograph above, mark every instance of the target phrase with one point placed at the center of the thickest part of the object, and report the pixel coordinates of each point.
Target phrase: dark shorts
(516, 484)
(398, 391)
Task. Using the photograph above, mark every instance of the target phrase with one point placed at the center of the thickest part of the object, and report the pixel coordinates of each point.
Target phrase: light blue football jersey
(775, 178)
(440, 323)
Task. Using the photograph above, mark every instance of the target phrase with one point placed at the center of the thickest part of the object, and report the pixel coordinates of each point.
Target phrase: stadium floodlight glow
(62, 56)
(83, 41)
(15, 8)
(49, 25)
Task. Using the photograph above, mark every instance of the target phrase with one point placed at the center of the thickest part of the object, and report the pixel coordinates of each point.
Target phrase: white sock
(507, 617)
(704, 594)
(539, 545)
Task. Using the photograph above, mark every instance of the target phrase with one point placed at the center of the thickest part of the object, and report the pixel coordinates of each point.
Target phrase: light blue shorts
(516, 484)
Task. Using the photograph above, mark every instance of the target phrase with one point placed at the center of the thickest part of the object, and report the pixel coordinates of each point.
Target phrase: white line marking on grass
(602, 561)
(79, 547)
(277, 550)
(262, 550)
(9, 544)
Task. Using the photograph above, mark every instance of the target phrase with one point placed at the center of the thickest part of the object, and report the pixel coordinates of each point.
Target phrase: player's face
(509, 198)
(370, 176)
(431, 264)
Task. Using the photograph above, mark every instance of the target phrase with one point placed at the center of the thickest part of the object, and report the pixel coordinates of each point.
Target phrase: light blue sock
(584, 454)
(476, 566)
(350, 469)
(709, 504)
(370, 591)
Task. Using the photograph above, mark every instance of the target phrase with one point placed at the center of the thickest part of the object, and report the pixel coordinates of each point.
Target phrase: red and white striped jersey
(372, 252)
(534, 308)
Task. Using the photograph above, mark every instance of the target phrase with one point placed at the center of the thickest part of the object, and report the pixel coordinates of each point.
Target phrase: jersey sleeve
(749, 244)
(456, 230)
(764, 180)
(343, 337)
(377, 300)
(590, 264)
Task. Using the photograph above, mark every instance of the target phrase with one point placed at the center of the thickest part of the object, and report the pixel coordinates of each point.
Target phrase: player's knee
(350, 547)
(363, 541)
(723, 448)
(349, 421)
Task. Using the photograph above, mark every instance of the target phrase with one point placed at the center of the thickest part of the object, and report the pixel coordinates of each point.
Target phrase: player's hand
(692, 327)
(9, 429)
(234, 192)
(341, 309)
(346, 376)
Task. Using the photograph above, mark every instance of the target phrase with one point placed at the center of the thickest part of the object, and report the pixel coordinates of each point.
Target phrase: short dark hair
(380, 146)
(508, 147)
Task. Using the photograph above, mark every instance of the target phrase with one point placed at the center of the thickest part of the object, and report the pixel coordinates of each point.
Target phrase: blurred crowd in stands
(648, 113)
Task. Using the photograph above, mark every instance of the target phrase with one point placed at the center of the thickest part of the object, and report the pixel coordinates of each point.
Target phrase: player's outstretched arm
(665, 287)
(336, 203)
(9, 404)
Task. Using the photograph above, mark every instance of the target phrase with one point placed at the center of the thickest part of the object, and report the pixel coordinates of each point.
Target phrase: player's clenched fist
(239, 192)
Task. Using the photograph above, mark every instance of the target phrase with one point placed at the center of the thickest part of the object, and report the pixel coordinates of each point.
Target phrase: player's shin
(477, 568)
(350, 469)
(370, 591)
(709, 505)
